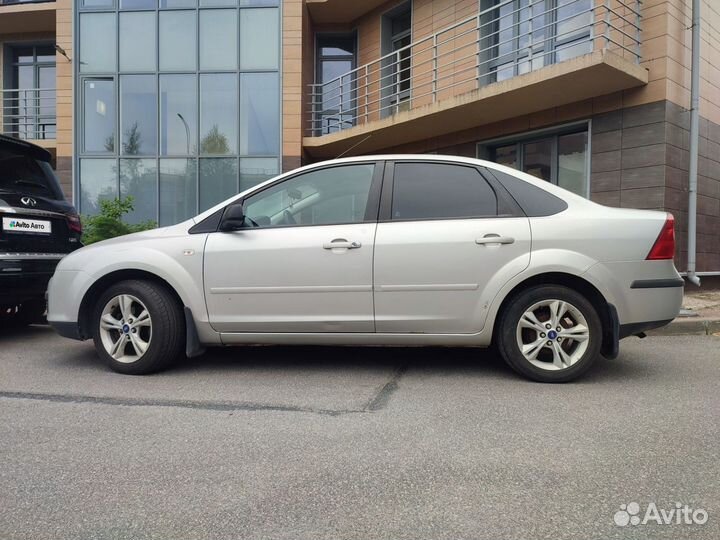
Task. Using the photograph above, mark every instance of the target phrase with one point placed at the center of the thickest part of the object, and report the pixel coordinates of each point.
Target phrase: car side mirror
(233, 218)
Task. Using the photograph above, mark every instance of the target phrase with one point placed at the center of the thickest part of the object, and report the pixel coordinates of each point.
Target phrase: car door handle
(341, 243)
(493, 238)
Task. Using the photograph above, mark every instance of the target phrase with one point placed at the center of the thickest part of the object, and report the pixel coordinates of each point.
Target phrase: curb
(688, 327)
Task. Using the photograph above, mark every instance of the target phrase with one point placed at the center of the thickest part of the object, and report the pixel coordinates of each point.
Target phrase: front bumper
(66, 329)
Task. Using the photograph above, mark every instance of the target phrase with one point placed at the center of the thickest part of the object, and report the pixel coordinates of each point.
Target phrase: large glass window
(29, 111)
(100, 182)
(138, 179)
(177, 40)
(181, 96)
(440, 190)
(137, 41)
(560, 157)
(521, 36)
(218, 39)
(255, 170)
(335, 107)
(98, 49)
(178, 190)
(98, 127)
(218, 114)
(324, 197)
(218, 180)
(259, 95)
(138, 115)
(178, 114)
(256, 26)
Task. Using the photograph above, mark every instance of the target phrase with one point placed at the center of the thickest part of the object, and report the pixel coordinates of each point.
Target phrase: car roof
(24, 147)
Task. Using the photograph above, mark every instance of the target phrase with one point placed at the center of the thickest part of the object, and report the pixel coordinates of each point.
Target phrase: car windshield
(23, 174)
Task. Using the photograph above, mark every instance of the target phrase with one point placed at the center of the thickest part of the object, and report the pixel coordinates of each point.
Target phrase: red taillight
(664, 247)
(73, 221)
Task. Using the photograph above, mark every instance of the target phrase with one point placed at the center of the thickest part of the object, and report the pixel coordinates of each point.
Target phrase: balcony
(21, 16)
(506, 61)
(29, 114)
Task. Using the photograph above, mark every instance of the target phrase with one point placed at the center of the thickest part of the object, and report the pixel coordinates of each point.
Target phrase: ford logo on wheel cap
(28, 201)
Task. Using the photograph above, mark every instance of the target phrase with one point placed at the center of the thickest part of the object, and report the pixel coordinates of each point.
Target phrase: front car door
(447, 240)
(303, 263)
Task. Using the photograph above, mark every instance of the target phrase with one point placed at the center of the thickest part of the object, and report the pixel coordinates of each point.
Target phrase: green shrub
(109, 224)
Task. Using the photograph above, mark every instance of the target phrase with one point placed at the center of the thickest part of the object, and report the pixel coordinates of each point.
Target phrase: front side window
(324, 197)
(440, 190)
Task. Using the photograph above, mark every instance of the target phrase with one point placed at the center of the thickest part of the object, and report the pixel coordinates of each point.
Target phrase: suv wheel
(550, 333)
(138, 327)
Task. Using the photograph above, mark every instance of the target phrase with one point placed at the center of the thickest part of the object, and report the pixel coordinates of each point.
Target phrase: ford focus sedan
(380, 250)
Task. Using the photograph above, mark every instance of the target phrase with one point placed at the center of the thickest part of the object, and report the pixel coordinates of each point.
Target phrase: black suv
(38, 228)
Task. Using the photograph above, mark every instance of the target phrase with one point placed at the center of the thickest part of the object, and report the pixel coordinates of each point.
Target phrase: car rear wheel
(550, 333)
(138, 327)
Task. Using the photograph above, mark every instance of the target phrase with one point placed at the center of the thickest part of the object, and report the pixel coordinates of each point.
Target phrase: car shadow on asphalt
(431, 360)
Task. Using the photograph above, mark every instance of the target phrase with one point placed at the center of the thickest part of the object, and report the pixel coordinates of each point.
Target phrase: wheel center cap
(552, 334)
(126, 329)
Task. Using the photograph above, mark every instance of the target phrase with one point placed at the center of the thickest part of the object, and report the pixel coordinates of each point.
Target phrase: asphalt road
(311, 443)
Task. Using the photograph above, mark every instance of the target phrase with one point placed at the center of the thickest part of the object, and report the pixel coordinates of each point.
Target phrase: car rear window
(440, 190)
(24, 174)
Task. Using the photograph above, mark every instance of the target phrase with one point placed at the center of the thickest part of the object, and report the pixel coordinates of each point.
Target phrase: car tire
(549, 333)
(138, 327)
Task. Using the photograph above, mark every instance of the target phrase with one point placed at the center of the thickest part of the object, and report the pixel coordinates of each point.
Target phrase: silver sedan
(380, 250)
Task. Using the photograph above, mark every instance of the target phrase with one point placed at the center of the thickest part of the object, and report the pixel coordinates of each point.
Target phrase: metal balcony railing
(28, 113)
(511, 38)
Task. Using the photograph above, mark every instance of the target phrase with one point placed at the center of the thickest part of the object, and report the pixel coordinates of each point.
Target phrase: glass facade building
(177, 102)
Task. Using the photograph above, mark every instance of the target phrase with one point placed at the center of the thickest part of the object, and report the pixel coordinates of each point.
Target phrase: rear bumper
(633, 329)
(25, 276)
(647, 294)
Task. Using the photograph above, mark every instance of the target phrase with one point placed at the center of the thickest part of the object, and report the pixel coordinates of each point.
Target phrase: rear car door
(447, 240)
(304, 261)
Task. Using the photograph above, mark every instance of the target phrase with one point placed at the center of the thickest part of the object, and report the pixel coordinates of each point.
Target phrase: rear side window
(440, 190)
(24, 174)
(534, 201)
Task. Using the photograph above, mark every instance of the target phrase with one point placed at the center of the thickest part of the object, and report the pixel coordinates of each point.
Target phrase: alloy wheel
(125, 328)
(553, 334)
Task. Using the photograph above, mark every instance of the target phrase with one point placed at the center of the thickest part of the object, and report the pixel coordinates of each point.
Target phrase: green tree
(214, 142)
(109, 224)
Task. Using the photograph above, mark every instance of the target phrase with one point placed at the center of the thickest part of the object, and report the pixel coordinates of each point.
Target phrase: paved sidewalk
(700, 314)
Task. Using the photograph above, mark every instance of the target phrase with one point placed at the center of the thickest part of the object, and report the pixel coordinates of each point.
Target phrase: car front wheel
(550, 333)
(138, 327)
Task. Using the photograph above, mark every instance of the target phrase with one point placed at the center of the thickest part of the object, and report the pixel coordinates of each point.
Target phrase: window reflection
(177, 40)
(259, 111)
(137, 41)
(256, 170)
(178, 190)
(99, 182)
(218, 180)
(178, 115)
(98, 131)
(218, 39)
(138, 179)
(259, 26)
(98, 46)
(138, 115)
(218, 114)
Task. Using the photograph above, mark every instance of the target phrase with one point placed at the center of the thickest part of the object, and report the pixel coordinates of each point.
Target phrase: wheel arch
(101, 284)
(606, 311)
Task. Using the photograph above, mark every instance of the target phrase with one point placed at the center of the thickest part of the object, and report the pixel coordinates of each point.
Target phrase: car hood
(77, 260)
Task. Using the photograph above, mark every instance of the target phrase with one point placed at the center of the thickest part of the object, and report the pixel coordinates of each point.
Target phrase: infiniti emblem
(28, 201)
